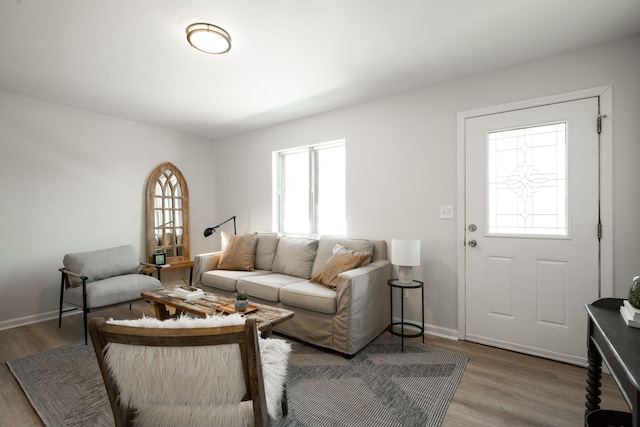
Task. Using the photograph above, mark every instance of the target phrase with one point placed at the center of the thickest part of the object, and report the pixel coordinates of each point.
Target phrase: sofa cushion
(98, 265)
(294, 256)
(266, 250)
(113, 290)
(238, 252)
(267, 286)
(327, 243)
(310, 296)
(342, 260)
(226, 279)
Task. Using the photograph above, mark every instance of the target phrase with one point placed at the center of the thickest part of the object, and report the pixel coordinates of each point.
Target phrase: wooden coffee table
(266, 316)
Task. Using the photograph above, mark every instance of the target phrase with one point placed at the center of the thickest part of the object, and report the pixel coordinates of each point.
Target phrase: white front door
(532, 215)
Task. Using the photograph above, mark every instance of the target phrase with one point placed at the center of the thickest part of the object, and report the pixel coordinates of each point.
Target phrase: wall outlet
(446, 212)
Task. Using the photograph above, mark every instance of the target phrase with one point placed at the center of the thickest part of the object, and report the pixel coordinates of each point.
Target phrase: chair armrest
(148, 264)
(202, 263)
(71, 273)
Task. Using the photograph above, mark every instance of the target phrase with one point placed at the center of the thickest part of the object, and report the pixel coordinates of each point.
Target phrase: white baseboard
(35, 318)
(437, 331)
(533, 351)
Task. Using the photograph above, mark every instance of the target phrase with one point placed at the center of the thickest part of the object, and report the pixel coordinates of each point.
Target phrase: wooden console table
(618, 345)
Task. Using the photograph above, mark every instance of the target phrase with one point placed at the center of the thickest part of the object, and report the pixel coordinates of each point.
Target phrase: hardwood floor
(498, 388)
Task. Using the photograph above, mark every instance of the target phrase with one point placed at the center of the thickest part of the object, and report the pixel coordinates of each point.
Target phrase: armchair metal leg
(284, 403)
(61, 299)
(84, 312)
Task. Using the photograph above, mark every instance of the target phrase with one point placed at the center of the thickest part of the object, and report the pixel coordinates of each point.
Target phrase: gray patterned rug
(380, 386)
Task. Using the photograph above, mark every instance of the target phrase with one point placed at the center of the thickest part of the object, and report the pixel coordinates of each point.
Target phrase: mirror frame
(168, 170)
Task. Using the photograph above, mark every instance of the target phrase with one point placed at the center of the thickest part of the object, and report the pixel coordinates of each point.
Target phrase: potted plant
(634, 292)
(242, 301)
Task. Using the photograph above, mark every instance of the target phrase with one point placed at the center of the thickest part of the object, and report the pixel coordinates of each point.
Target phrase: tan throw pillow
(342, 260)
(238, 252)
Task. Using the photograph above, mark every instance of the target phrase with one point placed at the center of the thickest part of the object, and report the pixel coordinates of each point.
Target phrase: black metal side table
(416, 284)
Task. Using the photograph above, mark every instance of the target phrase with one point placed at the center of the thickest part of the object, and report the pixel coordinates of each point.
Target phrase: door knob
(472, 243)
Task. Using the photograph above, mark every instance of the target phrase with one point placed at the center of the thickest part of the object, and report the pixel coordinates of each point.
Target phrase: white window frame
(313, 195)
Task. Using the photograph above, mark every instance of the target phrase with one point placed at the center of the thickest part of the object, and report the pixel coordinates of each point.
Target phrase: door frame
(606, 185)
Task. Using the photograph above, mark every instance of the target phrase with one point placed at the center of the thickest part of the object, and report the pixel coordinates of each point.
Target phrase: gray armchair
(103, 278)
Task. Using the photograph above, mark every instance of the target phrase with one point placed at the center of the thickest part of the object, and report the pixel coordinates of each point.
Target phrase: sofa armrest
(363, 303)
(203, 263)
(366, 274)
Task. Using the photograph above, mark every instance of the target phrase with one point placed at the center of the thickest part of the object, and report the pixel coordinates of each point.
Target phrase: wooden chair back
(245, 336)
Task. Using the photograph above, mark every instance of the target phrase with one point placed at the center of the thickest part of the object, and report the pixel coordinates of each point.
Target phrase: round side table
(416, 284)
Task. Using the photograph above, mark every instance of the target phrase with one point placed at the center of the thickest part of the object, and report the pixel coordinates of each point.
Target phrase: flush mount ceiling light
(208, 38)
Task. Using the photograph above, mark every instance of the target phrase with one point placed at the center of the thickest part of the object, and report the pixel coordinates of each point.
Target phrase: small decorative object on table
(159, 258)
(630, 309)
(188, 293)
(242, 301)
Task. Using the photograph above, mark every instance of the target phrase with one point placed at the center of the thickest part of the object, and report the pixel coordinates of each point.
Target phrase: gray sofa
(344, 319)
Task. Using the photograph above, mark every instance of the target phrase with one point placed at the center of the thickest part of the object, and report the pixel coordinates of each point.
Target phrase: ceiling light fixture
(208, 38)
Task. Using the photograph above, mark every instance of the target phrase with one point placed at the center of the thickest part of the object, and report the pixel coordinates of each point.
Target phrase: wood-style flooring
(498, 388)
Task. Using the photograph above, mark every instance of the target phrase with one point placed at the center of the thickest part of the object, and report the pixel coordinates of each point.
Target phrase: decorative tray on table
(230, 308)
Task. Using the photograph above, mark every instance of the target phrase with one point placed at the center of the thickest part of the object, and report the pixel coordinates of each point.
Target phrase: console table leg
(594, 375)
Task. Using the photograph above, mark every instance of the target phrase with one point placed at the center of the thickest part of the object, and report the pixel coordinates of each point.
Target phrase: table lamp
(405, 253)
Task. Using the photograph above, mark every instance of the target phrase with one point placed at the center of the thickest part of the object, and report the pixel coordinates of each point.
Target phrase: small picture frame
(159, 258)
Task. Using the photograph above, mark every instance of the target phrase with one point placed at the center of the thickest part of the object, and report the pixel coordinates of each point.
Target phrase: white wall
(401, 162)
(73, 181)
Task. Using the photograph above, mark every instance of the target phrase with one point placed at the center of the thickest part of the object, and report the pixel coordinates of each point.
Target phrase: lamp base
(405, 274)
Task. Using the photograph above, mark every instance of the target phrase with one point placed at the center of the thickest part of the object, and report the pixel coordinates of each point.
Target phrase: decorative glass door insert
(527, 181)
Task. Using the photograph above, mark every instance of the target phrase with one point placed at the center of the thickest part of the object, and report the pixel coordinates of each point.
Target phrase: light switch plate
(446, 212)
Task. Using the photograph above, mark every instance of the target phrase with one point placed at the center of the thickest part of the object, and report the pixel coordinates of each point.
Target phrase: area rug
(379, 386)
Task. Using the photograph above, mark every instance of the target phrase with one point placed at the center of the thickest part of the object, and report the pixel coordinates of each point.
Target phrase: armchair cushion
(238, 252)
(112, 290)
(100, 264)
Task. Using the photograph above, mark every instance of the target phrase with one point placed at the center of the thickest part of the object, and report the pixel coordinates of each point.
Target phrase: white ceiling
(290, 58)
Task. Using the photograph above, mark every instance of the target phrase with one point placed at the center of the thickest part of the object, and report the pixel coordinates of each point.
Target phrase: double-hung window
(310, 189)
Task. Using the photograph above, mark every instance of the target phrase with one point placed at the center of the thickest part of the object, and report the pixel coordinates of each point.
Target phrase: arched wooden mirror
(168, 215)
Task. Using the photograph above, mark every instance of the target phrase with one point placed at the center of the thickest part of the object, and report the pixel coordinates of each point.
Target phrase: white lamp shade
(405, 252)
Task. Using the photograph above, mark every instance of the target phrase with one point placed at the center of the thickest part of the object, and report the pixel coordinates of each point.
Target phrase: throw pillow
(238, 252)
(266, 250)
(342, 260)
(327, 243)
(294, 256)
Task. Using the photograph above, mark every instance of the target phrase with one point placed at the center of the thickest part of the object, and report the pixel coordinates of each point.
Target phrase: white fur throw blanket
(187, 388)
